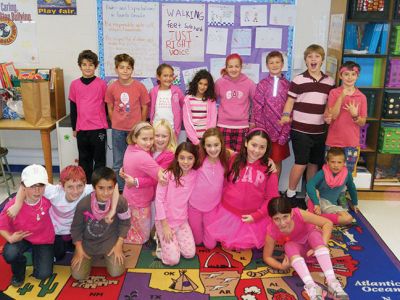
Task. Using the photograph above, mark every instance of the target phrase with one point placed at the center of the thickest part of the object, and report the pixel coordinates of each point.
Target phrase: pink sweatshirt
(251, 192)
(172, 201)
(139, 163)
(42, 230)
(207, 191)
(235, 100)
(187, 118)
(176, 102)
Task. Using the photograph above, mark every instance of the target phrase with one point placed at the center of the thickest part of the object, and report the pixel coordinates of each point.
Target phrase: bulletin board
(194, 35)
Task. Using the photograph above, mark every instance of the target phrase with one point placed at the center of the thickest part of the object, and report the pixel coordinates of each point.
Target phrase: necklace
(39, 211)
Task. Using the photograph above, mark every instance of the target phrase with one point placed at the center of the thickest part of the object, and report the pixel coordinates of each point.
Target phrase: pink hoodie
(187, 118)
(176, 101)
(139, 163)
(235, 100)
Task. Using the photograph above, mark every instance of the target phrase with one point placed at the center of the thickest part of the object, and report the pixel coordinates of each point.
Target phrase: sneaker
(15, 282)
(336, 292)
(158, 246)
(314, 292)
(292, 200)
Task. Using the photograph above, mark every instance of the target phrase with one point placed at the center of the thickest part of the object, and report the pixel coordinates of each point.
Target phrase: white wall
(61, 38)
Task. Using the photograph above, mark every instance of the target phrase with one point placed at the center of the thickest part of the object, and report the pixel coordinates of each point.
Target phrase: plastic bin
(389, 138)
(391, 106)
(363, 136)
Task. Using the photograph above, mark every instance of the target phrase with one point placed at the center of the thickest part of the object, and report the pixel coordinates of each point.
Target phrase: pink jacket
(177, 102)
(251, 192)
(172, 201)
(139, 163)
(235, 101)
(187, 118)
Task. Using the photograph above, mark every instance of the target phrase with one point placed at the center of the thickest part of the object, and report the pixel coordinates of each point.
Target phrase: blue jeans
(119, 146)
(42, 259)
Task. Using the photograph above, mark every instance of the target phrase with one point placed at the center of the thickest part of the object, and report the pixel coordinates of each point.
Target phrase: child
(269, 100)
(326, 186)
(64, 198)
(127, 102)
(171, 202)
(308, 94)
(199, 107)
(296, 229)
(88, 114)
(207, 191)
(240, 219)
(138, 163)
(30, 229)
(235, 91)
(347, 112)
(90, 233)
(166, 99)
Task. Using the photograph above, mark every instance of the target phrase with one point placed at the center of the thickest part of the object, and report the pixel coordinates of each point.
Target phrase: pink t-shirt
(344, 132)
(299, 233)
(207, 191)
(33, 218)
(90, 104)
(128, 101)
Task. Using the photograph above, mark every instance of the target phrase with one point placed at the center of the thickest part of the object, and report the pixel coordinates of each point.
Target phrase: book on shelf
(373, 44)
(384, 38)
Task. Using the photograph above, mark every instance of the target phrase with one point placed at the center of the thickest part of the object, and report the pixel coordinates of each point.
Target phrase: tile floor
(384, 216)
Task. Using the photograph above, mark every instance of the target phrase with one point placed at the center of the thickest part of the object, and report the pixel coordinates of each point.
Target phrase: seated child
(296, 229)
(64, 198)
(30, 229)
(325, 187)
(91, 235)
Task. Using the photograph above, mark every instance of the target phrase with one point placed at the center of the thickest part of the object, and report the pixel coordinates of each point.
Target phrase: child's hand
(119, 256)
(310, 253)
(285, 264)
(271, 165)
(162, 178)
(327, 117)
(18, 236)
(109, 218)
(129, 180)
(284, 120)
(352, 108)
(317, 209)
(13, 210)
(79, 255)
(167, 232)
(247, 219)
(356, 209)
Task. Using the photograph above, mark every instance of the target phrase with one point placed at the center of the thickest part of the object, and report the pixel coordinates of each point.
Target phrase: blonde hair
(314, 48)
(136, 130)
(172, 140)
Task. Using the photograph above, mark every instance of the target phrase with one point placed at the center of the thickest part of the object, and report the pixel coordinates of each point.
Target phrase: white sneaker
(158, 246)
(314, 292)
(336, 292)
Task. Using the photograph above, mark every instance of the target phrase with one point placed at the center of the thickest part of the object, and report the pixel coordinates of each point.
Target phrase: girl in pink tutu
(171, 203)
(240, 220)
(296, 230)
(208, 188)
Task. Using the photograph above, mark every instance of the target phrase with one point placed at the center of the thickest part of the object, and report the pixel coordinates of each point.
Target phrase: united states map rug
(362, 262)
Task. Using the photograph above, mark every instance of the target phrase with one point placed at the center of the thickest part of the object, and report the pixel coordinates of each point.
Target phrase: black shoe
(15, 282)
(296, 202)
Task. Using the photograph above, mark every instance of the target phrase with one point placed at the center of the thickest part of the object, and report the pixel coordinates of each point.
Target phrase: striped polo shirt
(310, 97)
(198, 108)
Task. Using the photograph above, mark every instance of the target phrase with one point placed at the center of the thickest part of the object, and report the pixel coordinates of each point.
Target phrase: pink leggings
(313, 241)
(139, 232)
(197, 221)
(182, 243)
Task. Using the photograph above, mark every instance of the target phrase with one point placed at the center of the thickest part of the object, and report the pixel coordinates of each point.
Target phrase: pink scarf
(98, 214)
(337, 180)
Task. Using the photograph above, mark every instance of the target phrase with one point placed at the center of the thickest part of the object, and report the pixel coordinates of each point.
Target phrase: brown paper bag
(36, 101)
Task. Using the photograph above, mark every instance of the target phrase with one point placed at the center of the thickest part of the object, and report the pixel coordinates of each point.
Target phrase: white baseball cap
(34, 174)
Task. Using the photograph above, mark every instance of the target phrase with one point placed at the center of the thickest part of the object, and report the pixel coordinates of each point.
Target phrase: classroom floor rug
(362, 262)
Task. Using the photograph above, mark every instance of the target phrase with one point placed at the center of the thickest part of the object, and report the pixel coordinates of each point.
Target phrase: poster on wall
(56, 7)
(131, 27)
(18, 40)
(183, 32)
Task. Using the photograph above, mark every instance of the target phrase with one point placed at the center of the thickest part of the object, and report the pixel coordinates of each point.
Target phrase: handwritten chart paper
(188, 74)
(282, 14)
(270, 38)
(183, 32)
(253, 15)
(216, 64)
(221, 15)
(131, 27)
(241, 41)
(217, 39)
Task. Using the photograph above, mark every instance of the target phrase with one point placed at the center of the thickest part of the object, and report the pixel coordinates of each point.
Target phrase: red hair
(74, 173)
(228, 58)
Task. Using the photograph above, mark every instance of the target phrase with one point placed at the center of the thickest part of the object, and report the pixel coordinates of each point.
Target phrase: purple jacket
(176, 101)
(267, 109)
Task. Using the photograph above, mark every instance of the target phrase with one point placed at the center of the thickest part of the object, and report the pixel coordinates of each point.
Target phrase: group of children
(221, 185)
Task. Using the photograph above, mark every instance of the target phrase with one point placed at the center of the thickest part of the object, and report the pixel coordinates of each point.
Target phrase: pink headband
(256, 129)
(344, 68)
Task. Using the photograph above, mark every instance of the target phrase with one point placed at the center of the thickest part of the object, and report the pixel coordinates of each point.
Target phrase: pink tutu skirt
(233, 234)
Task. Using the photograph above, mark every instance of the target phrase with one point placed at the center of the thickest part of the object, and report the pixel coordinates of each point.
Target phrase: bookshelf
(369, 34)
